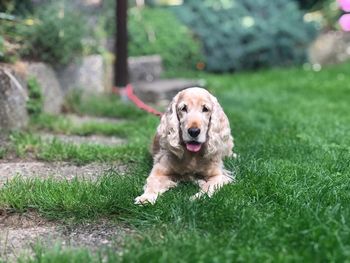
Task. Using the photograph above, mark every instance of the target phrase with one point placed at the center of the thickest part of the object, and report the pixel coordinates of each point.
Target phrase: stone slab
(164, 89)
(77, 140)
(145, 68)
(56, 170)
(86, 75)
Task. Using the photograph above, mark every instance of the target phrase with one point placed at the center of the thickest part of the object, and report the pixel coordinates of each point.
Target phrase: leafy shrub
(9, 38)
(310, 4)
(248, 34)
(56, 36)
(331, 13)
(35, 101)
(158, 31)
(16, 6)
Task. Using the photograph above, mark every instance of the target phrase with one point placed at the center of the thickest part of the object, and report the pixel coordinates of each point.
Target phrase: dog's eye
(205, 109)
(184, 108)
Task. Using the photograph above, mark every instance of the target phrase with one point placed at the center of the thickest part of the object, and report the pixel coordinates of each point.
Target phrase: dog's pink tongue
(192, 147)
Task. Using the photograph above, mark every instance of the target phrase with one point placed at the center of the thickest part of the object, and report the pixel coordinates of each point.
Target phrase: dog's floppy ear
(169, 130)
(220, 141)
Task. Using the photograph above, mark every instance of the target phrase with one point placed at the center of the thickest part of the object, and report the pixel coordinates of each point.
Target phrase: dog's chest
(191, 165)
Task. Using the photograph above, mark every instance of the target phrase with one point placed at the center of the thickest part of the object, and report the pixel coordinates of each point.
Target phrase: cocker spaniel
(191, 141)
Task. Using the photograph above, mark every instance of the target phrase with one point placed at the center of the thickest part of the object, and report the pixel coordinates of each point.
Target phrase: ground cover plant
(290, 201)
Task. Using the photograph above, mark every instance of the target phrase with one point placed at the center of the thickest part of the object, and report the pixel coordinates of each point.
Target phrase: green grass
(290, 202)
(31, 143)
(100, 105)
(2, 152)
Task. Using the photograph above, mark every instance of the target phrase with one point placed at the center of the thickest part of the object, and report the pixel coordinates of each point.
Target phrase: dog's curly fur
(179, 156)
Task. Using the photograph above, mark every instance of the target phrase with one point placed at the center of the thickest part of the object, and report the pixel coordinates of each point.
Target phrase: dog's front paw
(146, 199)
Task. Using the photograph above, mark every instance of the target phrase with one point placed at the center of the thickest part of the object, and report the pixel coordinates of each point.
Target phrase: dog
(192, 139)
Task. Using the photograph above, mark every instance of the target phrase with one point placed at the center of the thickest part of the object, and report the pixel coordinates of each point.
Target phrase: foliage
(56, 36)
(158, 31)
(35, 101)
(9, 38)
(325, 13)
(330, 12)
(311, 4)
(248, 34)
(16, 6)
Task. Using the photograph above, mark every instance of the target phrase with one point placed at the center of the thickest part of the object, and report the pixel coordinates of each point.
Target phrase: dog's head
(193, 122)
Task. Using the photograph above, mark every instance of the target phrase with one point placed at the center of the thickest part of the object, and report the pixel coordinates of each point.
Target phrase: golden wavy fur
(191, 141)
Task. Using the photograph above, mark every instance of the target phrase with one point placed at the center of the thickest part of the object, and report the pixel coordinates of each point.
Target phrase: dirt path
(56, 170)
(20, 233)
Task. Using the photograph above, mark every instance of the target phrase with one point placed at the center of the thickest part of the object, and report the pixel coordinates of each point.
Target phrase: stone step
(57, 170)
(164, 89)
(85, 119)
(78, 140)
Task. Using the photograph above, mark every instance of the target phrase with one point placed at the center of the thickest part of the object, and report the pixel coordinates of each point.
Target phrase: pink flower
(345, 5)
(344, 22)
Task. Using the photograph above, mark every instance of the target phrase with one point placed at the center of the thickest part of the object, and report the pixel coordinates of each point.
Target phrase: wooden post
(121, 45)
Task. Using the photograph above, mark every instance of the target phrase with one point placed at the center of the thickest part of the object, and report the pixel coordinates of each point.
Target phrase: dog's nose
(194, 132)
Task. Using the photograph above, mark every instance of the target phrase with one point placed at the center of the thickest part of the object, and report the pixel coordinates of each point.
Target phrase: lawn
(290, 202)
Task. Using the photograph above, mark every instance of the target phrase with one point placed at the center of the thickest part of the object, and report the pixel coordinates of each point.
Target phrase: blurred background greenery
(212, 35)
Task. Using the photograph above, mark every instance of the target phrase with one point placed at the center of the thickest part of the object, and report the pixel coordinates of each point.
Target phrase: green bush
(311, 4)
(248, 34)
(16, 6)
(158, 31)
(330, 13)
(56, 36)
(35, 101)
(9, 39)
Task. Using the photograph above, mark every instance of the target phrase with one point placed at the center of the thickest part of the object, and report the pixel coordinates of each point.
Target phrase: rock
(13, 98)
(80, 120)
(87, 75)
(57, 170)
(109, 141)
(160, 90)
(51, 89)
(330, 48)
(145, 68)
